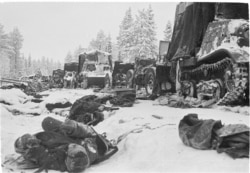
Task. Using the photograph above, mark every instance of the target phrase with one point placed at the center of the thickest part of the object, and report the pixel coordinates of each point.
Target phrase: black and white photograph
(124, 86)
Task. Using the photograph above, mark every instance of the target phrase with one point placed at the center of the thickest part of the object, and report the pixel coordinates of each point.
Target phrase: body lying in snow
(64, 146)
(232, 139)
(89, 108)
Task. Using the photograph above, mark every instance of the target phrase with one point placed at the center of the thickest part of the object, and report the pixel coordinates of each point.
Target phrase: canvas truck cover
(73, 66)
(191, 21)
(58, 72)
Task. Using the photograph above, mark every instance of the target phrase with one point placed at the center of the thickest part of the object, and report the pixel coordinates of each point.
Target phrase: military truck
(121, 74)
(143, 75)
(95, 69)
(137, 75)
(209, 52)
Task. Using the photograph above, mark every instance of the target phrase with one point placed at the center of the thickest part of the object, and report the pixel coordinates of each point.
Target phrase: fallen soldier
(63, 146)
(232, 139)
(89, 109)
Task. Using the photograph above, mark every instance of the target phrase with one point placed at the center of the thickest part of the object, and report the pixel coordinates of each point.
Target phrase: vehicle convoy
(95, 69)
(209, 57)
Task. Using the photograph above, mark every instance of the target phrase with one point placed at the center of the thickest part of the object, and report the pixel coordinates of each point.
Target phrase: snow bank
(13, 96)
(64, 95)
(20, 109)
(237, 109)
(155, 145)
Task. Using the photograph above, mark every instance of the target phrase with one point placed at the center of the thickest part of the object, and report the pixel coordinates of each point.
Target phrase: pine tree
(109, 45)
(145, 40)
(29, 65)
(100, 42)
(77, 52)
(68, 58)
(5, 51)
(125, 39)
(26, 68)
(16, 40)
(58, 64)
(21, 66)
(38, 69)
(34, 66)
(168, 32)
(54, 66)
(29, 61)
(152, 33)
(5, 45)
(47, 66)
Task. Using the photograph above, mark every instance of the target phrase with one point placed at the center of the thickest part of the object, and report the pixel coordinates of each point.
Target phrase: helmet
(77, 158)
(51, 124)
(25, 142)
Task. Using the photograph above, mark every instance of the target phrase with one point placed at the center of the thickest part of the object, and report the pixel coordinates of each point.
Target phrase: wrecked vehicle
(208, 59)
(140, 74)
(122, 74)
(95, 69)
(144, 74)
(56, 80)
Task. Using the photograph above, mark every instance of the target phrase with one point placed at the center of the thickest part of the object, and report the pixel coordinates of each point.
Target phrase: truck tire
(150, 81)
(129, 78)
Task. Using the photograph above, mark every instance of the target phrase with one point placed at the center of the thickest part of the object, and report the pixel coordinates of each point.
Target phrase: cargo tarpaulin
(73, 66)
(191, 19)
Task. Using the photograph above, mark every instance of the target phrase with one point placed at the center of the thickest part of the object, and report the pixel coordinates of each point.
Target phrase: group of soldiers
(69, 80)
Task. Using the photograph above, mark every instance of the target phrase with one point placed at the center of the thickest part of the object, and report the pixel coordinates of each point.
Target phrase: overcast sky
(52, 29)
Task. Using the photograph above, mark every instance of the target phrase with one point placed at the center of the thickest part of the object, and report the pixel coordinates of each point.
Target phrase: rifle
(107, 108)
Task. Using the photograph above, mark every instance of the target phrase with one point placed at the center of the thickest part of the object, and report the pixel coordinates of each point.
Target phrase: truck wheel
(129, 78)
(107, 81)
(150, 81)
(220, 91)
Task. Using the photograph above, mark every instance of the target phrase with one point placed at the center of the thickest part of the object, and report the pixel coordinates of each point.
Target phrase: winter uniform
(64, 146)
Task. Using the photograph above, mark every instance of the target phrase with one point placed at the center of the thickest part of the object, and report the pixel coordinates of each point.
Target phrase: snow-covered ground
(154, 145)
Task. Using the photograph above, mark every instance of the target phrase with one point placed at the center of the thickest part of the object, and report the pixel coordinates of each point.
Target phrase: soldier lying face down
(64, 146)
